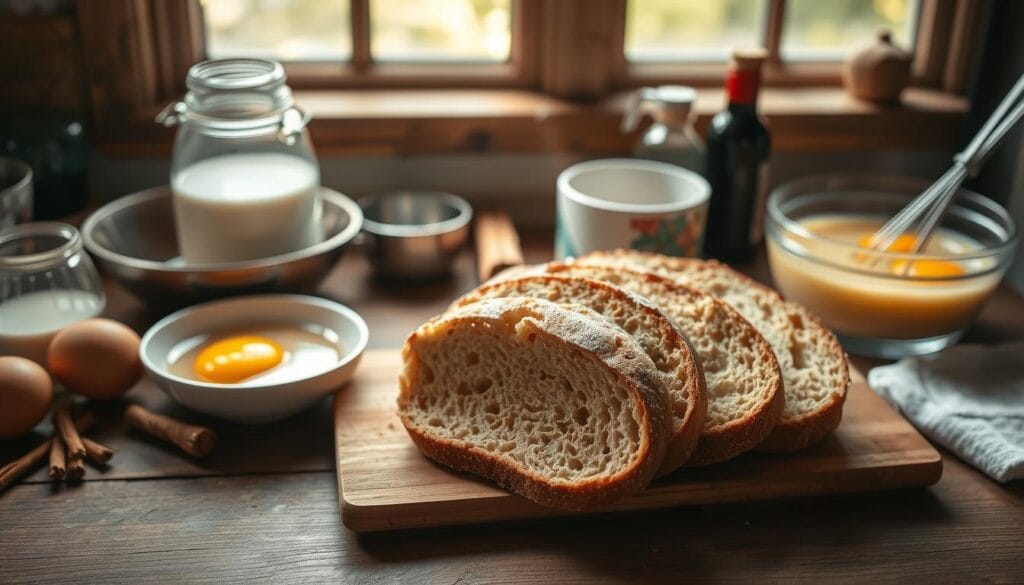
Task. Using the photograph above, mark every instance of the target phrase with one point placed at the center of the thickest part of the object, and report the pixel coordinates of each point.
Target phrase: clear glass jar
(244, 176)
(47, 282)
(672, 137)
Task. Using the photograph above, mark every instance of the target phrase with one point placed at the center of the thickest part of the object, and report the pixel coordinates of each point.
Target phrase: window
(691, 30)
(509, 74)
(816, 30)
(806, 40)
(368, 43)
(440, 30)
(297, 30)
(499, 43)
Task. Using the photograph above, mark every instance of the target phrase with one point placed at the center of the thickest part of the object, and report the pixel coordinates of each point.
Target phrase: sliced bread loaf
(815, 372)
(561, 408)
(744, 384)
(659, 337)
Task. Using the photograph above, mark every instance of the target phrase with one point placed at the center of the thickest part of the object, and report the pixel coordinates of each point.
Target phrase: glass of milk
(47, 282)
(244, 176)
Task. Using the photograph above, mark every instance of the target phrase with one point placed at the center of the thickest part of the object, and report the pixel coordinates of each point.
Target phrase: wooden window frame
(137, 53)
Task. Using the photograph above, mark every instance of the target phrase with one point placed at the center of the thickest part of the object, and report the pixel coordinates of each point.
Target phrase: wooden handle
(497, 244)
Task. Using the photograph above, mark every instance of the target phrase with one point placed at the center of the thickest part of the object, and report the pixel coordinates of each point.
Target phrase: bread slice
(659, 337)
(744, 384)
(815, 371)
(561, 408)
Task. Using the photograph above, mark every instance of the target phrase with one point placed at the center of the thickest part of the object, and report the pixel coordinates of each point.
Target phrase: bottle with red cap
(738, 147)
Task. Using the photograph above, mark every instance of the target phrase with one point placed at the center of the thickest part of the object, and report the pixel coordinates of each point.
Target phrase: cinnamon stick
(195, 440)
(57, 460)
(96, 452)
(18, 468)
(497, 244)
(66, 429)
(76, 470)
(23, 465)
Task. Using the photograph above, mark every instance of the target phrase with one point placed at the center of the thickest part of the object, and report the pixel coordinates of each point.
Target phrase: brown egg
(26, 393)
(97, 358)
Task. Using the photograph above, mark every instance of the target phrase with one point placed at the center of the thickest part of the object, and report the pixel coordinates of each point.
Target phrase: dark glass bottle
(738, 149)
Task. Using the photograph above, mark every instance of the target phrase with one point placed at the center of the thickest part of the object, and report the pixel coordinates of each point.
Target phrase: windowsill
(410, 122)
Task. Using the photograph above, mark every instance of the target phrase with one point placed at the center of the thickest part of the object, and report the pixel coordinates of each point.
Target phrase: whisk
(923, 214)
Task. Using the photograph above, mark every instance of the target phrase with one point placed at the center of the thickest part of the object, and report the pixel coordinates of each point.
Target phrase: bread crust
(594, 341)
(722, 442)
(791, 433)
(685, 430)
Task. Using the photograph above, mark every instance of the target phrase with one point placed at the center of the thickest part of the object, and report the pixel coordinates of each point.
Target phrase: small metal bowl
(134, 240)
(414, 235)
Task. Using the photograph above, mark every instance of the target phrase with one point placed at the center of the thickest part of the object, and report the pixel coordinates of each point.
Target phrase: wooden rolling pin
(497, 244)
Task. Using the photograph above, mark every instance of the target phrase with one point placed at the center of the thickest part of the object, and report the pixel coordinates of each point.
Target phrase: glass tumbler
(47, 281)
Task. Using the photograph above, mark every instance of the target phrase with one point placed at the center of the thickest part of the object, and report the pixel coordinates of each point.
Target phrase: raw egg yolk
(902, 245)
(234, 359)
(923, 268)
(929, 268)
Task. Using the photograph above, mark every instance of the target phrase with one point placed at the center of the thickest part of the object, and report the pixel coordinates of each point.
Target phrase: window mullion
(774, 22)
(360, 21)
(582, 45)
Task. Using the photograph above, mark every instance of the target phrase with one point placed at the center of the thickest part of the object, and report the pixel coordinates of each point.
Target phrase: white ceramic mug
(630, 203)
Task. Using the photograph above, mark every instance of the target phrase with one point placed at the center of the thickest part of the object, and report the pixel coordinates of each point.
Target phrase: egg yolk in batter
(234, 359)
(920, 268)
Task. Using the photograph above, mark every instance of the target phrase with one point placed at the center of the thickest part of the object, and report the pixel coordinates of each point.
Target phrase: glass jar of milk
(244, 176)
(47, 282)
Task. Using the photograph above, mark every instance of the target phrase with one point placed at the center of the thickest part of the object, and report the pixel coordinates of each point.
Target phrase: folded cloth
(969, 399)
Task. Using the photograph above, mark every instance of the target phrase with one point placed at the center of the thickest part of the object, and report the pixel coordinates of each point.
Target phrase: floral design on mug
(679, 235)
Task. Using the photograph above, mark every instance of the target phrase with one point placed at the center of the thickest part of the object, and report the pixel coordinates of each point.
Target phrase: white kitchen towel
(969, 398)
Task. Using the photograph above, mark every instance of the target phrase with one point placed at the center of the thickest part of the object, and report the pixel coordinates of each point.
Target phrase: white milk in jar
(236, 207)
(28, 322)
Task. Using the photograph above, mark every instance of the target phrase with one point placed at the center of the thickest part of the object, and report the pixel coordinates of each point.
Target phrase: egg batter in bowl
(885, 304)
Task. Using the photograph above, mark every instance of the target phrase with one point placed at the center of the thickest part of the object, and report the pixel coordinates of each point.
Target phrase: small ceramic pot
(878, 72)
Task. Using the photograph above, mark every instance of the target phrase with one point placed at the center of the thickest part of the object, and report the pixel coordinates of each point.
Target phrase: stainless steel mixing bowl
(414, 235)
(134, 240)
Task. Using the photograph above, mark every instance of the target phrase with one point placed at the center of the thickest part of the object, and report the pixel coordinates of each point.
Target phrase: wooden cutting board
(384, 483)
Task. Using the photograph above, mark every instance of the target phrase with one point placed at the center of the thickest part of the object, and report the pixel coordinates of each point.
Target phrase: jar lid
(677, 99)
(672, 95)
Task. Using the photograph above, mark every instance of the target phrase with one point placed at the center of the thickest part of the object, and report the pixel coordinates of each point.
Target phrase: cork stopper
(748, 59)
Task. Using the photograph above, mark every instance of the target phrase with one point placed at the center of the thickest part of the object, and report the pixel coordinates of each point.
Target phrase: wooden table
(264, 506)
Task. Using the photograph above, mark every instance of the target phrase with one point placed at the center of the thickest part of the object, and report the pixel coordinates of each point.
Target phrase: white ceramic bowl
(254, 403)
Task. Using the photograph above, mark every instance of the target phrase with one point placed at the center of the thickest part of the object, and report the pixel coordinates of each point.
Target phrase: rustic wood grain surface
(264, 508)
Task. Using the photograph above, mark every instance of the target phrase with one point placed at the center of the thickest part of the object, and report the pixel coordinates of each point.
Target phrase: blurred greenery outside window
(451, 31)
(812, 30)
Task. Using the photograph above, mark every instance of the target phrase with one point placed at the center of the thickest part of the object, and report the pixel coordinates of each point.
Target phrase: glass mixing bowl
(889, 304)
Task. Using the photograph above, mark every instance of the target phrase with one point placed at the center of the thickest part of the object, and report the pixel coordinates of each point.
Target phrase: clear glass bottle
(244, 176)
(47, 282)
(672, 137)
